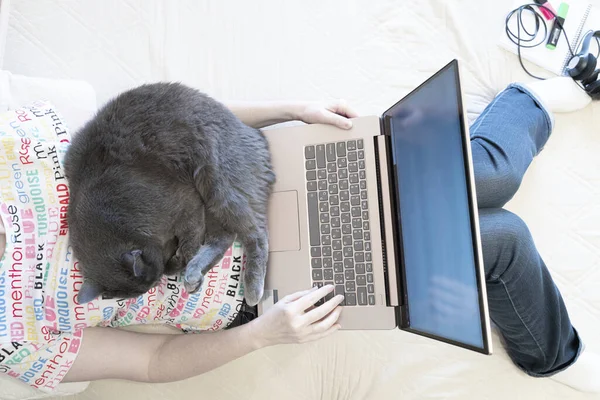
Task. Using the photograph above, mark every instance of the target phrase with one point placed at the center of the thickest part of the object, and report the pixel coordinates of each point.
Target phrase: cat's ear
(88, 292)
(130, 260)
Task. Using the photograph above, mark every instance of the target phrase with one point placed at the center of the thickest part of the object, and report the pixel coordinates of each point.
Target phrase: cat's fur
(162, 179)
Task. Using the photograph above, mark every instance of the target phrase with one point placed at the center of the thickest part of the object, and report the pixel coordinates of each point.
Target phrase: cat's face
(121, 272)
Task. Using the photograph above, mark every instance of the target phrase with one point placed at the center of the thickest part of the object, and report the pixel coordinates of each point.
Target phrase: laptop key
(371, 288)
(311, 175)
(355, 212)
(341, 149)
(343, 184)
(316, 263)
(318, 284)
(334, 200)
(331, 168)
(347, 240)
(360, 268)
(317, 274)
(329, 296)
(324, 218)
(363, 175)
(346, 229)
(357, 233)
(353, 178)
(354, 189)
(369, 267)
(339, 279)
(338, 267)
(332, 178)
(330, 152)
(343, 173)
(361, 280)
(350, 286)
(333, 189)
(335, 222)
(367, 246)
(327, 263)
(313, 219)
(337, 256)
(326, 240)
(352, 156)
(346, 218)
(353, 167)
(339, 289)
(311, 186)
(369, 278)
(349, 263)
(350, 299)
(311, 164)
(361, 164)
(371, 300)
(315, 252)
(359, 257)
(356, 223)
(328, 274)
(323, 196)
(351, 145)
(358, 245)
(322, 174)
(361, 154)
(324, 207)
(336, 233)
(349, 275)
(345, 206)
(320, 153)
(360, 143)
(348, 252)
(367, 234)
(364, 204)
(322, 185)
(342, 163)
(368, 257)
(355, 201)
(309, 152)
(366, 225)
(327, 251)
(361, 294)
(363, 195)
(345, 196)
(335, 210)
(336, 244)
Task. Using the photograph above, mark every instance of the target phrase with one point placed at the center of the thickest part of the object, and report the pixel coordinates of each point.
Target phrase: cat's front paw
(192, 280)
(254, 283)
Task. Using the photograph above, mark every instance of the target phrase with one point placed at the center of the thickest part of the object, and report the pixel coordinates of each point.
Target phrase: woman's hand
(288, 321)
(334, 113)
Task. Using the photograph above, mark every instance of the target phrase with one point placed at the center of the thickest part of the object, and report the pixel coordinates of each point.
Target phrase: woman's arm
(114, 354)
(261, 114)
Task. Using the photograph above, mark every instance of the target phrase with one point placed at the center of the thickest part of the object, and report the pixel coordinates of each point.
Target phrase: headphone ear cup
(593, 78)
(584, 68)
(593, 89)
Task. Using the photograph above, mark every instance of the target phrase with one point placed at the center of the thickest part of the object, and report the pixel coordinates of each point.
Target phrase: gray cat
(162, 180)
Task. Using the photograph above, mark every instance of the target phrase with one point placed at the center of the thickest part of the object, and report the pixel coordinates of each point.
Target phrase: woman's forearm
(261, 114)
(183, 356)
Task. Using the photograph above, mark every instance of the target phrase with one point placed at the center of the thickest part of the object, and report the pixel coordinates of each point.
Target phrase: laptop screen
(438, 248)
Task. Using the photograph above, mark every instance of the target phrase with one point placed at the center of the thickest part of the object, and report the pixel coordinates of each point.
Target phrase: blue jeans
(524, 302)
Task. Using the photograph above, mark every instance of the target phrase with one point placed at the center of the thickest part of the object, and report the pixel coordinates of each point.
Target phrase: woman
(524, 302)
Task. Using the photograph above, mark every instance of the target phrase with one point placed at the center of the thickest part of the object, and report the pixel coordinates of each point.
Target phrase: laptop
(387, 213)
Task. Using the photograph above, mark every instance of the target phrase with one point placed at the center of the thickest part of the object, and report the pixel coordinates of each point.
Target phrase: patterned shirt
(41, 322)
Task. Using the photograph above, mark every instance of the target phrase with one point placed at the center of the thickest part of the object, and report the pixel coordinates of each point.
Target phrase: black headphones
(582, 67)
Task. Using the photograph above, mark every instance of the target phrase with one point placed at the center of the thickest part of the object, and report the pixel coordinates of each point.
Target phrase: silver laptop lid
(440, 264)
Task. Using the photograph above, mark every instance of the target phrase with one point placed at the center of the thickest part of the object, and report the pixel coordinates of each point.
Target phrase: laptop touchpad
(284, 232)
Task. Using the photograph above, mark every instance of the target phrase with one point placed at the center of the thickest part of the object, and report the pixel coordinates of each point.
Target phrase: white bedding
(370, 53)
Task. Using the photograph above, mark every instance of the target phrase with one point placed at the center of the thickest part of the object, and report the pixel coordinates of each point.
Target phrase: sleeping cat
(164, 179)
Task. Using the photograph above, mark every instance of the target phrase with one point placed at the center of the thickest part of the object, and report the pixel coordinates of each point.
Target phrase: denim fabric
(524, 302)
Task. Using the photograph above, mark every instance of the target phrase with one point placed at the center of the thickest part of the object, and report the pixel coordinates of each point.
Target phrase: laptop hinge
(387, 223)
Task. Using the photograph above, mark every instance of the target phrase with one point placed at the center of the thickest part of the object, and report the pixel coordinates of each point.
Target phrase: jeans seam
(521, 319)
(483, 116)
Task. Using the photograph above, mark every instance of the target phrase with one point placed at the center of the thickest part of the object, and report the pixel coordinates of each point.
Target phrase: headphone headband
(587, 41)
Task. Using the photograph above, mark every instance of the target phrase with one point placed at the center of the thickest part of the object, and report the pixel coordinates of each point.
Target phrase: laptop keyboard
(338, 220)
